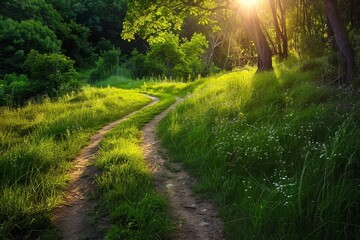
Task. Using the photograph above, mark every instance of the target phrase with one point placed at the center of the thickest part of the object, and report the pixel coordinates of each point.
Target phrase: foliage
(107, 65)
(37, 145)
(194, 51)
(168, 57)
(154, 23)
(15, 90)
(355, 39)
(312, 46)
(50, 74)
(274, 151)
(19, 38)
(75, 45)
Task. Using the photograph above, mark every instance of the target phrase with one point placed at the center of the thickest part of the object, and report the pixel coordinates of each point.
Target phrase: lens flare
(249, 3)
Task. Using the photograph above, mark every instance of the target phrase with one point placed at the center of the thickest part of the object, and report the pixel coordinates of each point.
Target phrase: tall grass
(278, 152)
(158, 85)
(136, 210)
(37, 145)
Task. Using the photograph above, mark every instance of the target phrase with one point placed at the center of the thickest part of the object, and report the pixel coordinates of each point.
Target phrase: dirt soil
(194, 218)
(73, 217)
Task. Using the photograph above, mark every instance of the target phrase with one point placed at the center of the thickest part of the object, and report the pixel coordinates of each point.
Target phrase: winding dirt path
(73, 217)
(194, 218)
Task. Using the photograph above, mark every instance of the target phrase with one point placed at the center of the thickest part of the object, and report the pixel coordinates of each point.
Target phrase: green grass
(277, 152)
(37, 144)
(136, 210)
(164, 86)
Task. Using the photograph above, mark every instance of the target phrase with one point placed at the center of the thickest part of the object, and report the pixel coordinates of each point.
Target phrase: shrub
(106, 66)
(50, 74)
(194, 50)
(170, 57)
(312, 46)
(2, 94)
(17, 89)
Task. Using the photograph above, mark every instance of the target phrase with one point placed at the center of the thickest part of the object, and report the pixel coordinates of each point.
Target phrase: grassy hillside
(37, 144)
(278, 152)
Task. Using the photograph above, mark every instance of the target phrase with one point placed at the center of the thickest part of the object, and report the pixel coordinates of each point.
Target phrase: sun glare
(249, 3)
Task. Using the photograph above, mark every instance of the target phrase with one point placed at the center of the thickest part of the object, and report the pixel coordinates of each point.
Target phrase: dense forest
(268, 122)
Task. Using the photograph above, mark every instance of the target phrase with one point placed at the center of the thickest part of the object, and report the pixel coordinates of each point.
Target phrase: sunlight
(249, 3)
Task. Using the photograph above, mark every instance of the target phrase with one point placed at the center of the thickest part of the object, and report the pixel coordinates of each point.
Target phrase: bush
(50, 74)
(106, 66)
(354, 36)
(312, 46)
(15, 90)
(170, 57)
(2, 94)
(194, 50)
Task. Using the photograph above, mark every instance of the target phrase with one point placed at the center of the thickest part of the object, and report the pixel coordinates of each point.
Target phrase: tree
(150, 17)
(171, 56)
(19, 38)
(341, 38)
(252, 26)
(60, 20)
(279, 19)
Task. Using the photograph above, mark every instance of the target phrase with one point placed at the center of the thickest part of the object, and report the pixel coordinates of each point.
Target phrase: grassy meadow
(37, 144)
(278, 152)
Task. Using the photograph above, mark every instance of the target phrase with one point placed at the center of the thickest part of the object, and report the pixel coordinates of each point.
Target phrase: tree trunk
(341, 39)
(284, 35)
(330, 31)
(280, 28)
(252, 27)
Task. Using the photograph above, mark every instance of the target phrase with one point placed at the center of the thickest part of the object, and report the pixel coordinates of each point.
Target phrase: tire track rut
(194, 218)
(73, 216)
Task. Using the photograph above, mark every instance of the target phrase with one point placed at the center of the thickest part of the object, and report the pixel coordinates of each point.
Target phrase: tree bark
(280, 28)
(252, 27)
(341, 39)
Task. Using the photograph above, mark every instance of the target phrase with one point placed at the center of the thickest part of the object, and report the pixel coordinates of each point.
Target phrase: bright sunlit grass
(37, 143)
(274, 150)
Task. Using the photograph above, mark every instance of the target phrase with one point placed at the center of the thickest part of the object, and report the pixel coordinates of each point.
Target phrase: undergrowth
(278, 153)
(37, 144)
(136, 210)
